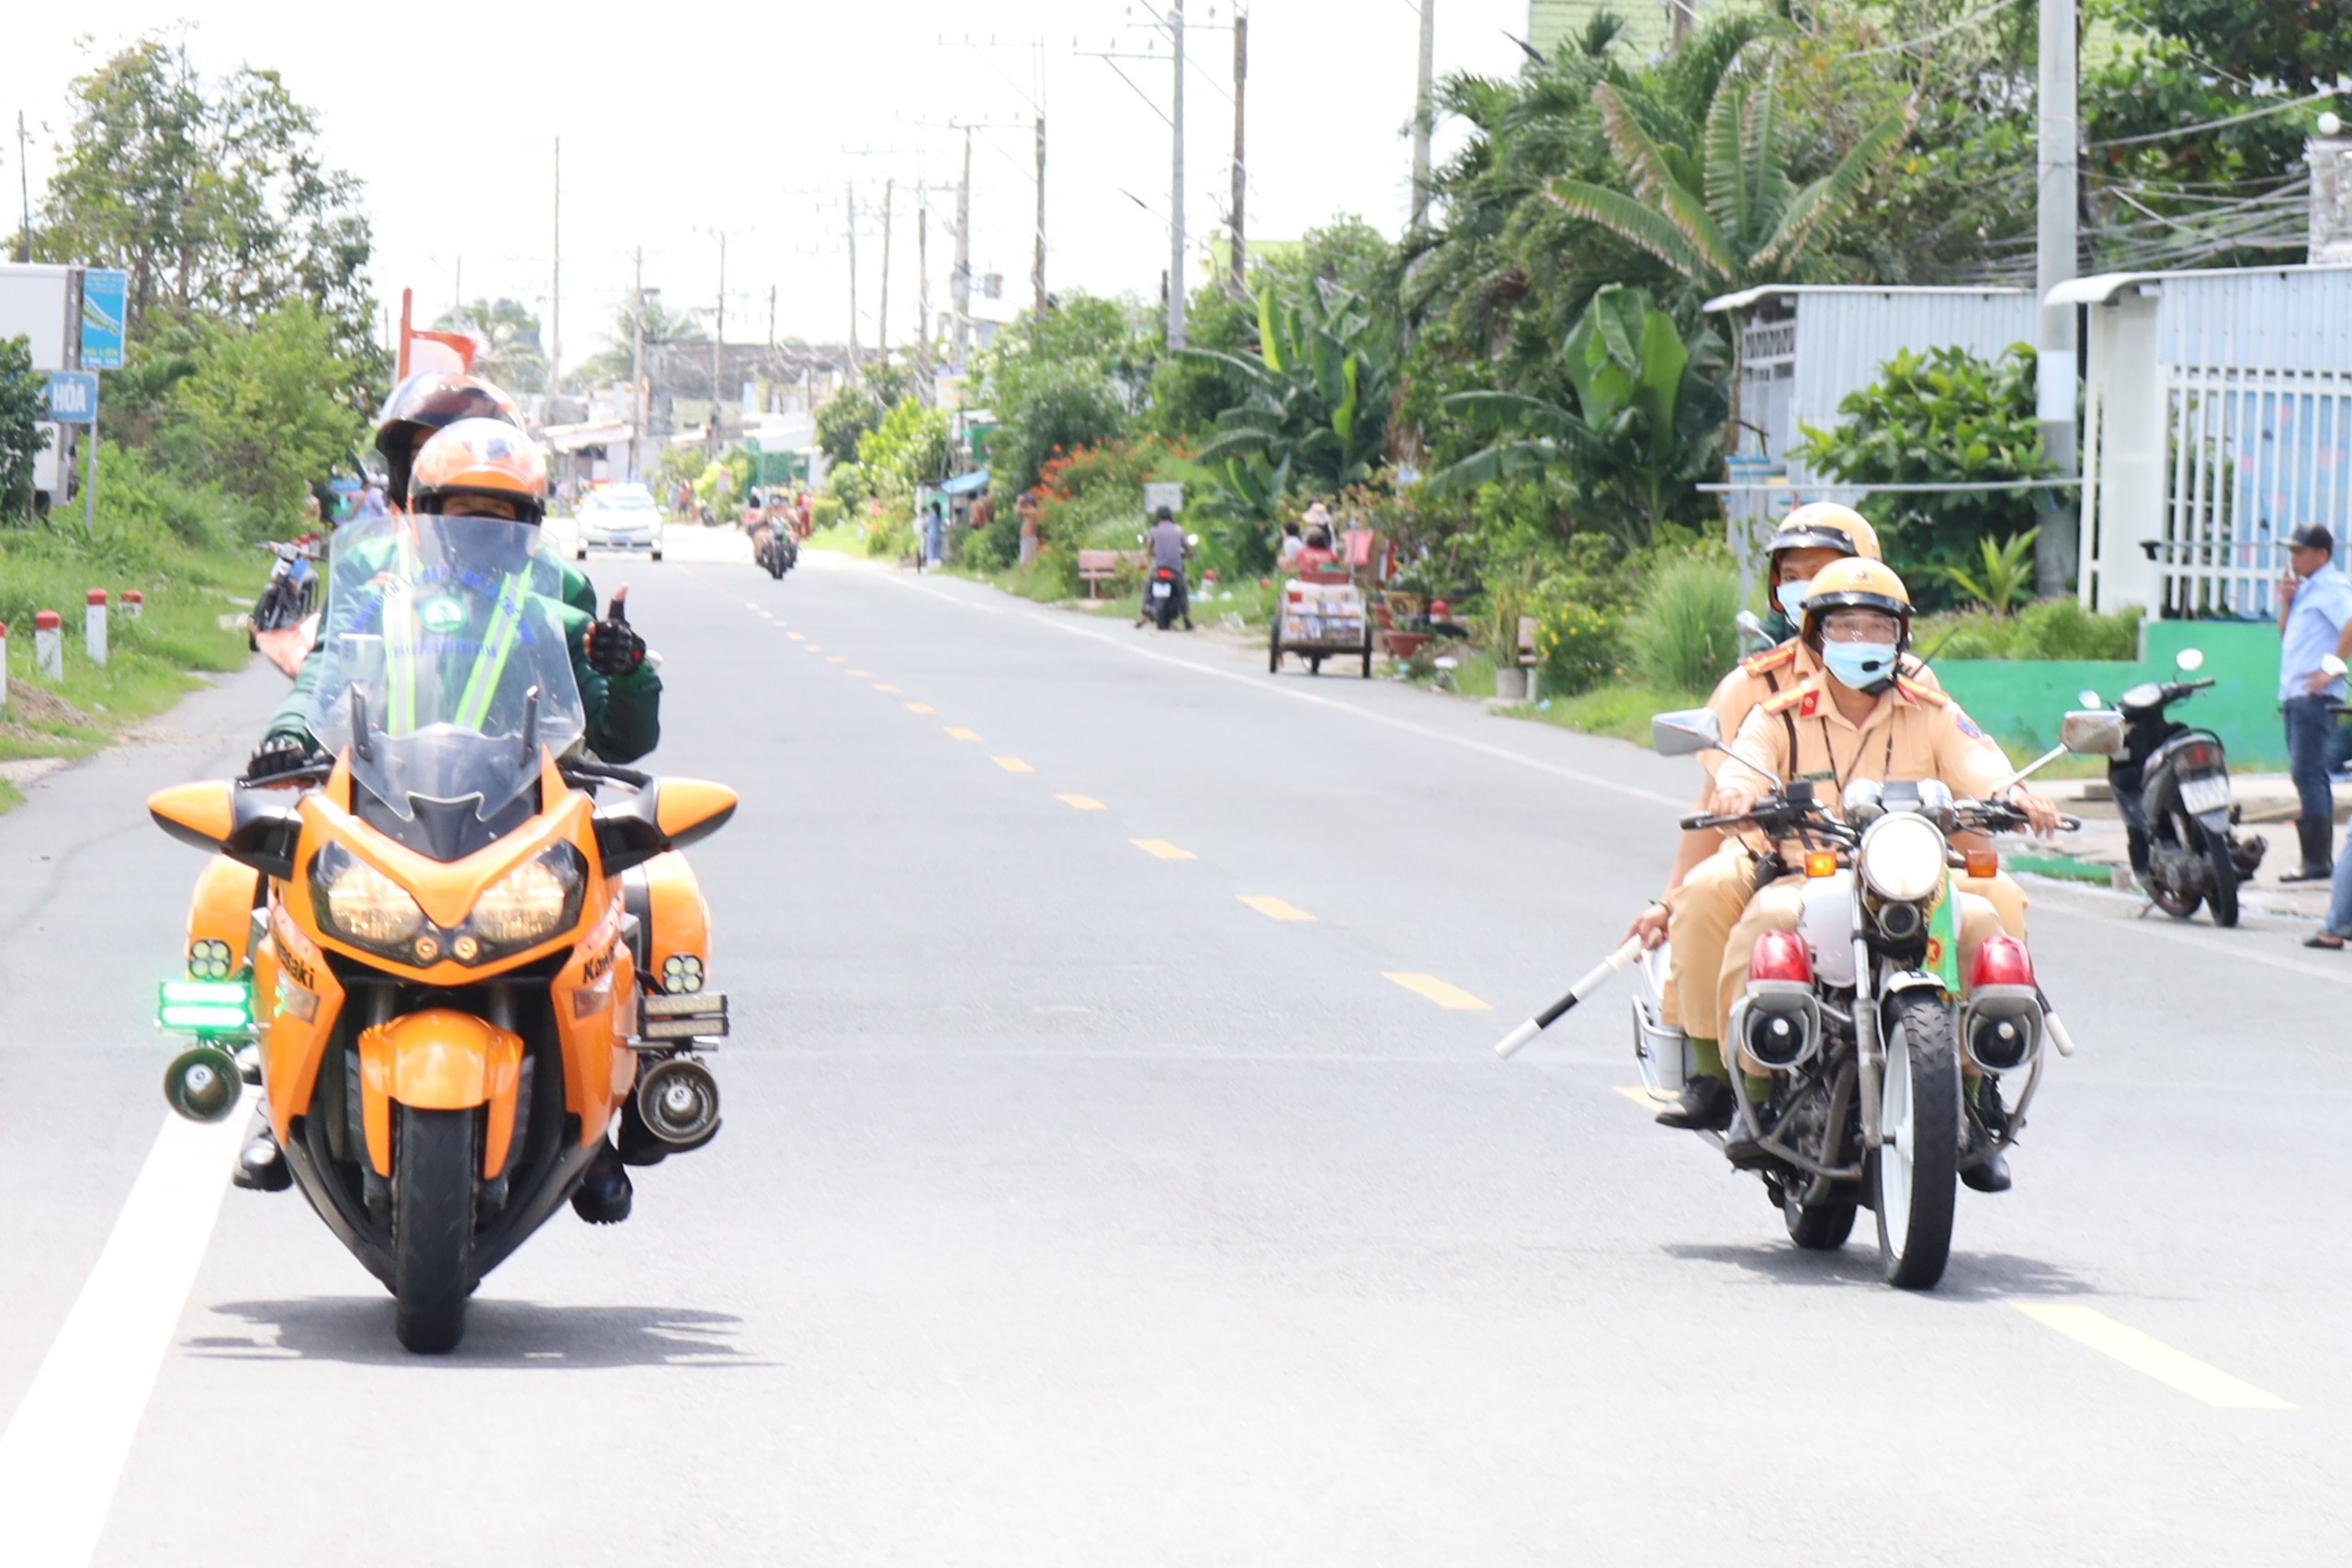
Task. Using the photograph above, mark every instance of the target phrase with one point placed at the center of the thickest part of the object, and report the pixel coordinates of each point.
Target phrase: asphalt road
(1071, 1207)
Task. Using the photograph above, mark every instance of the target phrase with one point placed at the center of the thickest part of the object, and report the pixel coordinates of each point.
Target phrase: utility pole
(637, 364)
(924, 386)
(555, 289)
(718, 344)
(1176, 188)
(1423, 114)
(24, 194)
(882, 322)
(1237, 285)
(959, 283)
(2057, 138)
(1037, 260)
(850, 194)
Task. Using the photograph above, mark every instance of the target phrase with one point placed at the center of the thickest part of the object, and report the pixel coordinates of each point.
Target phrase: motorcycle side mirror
(668, 813)
(258, 827)
(1686, 731)
(2099, 733)
(2089, 698)
(2333, 667)
(2189, 660)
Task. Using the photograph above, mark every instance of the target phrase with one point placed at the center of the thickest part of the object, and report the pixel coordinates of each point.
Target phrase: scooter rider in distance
(1857, 718)
(484, 468)
(1168, 548)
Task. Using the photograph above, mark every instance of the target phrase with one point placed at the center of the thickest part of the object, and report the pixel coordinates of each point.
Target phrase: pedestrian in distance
(1292, 544)
(934, 533)
(2314, 622)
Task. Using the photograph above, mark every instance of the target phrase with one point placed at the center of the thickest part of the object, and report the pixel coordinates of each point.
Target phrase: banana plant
(1645, 425)
(1317, 399)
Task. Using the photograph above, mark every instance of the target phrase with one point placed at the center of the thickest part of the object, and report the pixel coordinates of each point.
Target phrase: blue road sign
(105, 296)
(72, 396)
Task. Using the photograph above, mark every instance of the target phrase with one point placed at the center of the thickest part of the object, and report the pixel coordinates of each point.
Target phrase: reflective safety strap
(498, 643)
(400, 640)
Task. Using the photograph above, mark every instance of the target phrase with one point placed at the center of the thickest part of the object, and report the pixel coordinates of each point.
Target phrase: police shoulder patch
(1772, 659)
(1783, 702)
(1931, 695)
(1964, 724)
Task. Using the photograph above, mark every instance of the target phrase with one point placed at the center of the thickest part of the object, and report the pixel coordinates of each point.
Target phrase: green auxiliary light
(205, 1007)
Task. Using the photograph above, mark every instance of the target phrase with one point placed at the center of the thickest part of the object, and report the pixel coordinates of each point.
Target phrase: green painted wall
(2020, 700)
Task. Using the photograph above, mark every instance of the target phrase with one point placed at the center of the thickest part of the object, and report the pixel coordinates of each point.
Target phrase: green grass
(2064, 867)
(841, 538)
(1617, 708)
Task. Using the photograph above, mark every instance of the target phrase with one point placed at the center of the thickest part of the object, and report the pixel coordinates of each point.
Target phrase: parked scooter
(2172, 784)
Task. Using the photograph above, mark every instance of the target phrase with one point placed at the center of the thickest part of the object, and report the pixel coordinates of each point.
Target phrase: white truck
(43, 305)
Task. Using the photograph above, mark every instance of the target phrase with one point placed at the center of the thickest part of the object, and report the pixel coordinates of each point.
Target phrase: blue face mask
(1791, 598)
(1861, 665)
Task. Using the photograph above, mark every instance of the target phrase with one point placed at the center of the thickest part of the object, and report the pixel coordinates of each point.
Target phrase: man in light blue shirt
(2314, 622)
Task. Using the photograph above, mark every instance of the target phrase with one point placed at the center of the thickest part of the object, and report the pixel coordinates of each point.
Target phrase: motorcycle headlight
(360, 902)
(531, 902)
(1902, 858)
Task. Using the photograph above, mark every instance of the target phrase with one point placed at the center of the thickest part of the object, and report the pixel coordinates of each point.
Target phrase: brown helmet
(427, 401)
(482, 457)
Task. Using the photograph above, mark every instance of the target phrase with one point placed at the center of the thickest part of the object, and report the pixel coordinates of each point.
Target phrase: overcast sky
(678, 122)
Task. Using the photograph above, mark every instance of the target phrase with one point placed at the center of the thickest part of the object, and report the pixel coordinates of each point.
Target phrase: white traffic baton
(1508, 1046)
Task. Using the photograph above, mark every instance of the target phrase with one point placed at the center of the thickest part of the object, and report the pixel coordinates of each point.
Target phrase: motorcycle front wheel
(1914, 1172)
(433, 1162)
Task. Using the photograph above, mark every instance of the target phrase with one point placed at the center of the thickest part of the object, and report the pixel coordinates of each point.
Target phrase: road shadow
(357, 1330)
(1970, 1277)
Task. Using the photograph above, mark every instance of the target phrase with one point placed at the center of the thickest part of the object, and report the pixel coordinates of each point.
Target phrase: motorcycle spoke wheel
(1914, 1170)
(435, 1162)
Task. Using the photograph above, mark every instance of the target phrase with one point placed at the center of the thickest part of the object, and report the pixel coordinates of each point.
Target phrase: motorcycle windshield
(445, 665)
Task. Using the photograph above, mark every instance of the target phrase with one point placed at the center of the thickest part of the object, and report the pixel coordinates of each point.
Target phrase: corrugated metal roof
(2276, 319)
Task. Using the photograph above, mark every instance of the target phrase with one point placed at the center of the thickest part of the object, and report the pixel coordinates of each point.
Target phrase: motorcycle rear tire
(1915, 1172)
(2223, 900)
(2179, 902)
(435, 1163)
(1166, 614)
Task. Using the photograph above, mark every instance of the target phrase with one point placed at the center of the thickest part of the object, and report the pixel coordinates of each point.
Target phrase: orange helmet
(427, 401)
(483, 458)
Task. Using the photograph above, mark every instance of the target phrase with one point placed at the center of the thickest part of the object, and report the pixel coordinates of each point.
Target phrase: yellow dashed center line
(1013, 765)
(796, 636)
(815, 648)
(919, 707)
(958, 732)
(1081, 802)
(884, 686)
(1274, 908)
(2146, 1354)
(856, 674)
(1638, 1095)
(835, 659)
(1450, 997)
(1162, 848)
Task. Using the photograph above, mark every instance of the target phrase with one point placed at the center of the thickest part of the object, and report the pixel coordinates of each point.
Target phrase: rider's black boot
(1992, 1176)
(603, 1195)
(1703, 1106)
(2315, 833)
(261, 1164)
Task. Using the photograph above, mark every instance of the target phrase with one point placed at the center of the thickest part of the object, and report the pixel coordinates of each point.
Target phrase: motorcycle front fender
(439, 1059)
(1901, 982)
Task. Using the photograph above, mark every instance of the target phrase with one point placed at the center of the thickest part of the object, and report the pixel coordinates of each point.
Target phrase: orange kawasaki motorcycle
(456, 972)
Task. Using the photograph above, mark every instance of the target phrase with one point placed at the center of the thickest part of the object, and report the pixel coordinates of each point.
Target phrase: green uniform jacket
(624, 712)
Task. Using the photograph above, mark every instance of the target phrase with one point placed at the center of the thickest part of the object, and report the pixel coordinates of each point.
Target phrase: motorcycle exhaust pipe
(203, 1083)
(678, 1101)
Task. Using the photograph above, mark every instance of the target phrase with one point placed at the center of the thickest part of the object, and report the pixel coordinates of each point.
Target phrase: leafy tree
(1048, 408)
(2004, 579)
(511, 352)
(911, 446)
(664, 328)
(213, 196)
(23, 400)
(259, 412)
(1721, 209)
(1646, 425)
(1939, 418)
(1318, 393)
(843, 420)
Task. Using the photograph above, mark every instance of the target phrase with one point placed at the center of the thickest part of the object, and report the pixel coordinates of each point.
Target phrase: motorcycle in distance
(1861, 1014)
(293, 583)
(775, 549)
(450, 994)
(2171, 783)
(1166, 588)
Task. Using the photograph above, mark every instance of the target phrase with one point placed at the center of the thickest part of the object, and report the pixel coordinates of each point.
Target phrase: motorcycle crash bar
(1616, 963)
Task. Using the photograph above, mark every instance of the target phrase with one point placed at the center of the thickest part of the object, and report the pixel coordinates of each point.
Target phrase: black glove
(614, 646)
(277, 755)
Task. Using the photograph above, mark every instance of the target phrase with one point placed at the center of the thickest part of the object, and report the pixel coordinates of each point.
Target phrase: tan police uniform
(1913, 732)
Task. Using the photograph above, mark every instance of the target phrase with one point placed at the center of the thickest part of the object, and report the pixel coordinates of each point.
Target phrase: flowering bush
(1579, 644)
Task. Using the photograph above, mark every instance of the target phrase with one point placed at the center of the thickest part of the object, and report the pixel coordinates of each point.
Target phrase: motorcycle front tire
(1915, 1170)
(2224, 899)
(434, 1164)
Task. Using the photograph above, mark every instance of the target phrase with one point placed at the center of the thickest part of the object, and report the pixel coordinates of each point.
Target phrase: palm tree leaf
(1654, 181)
(1532, 414)
(1255, 369)
(1726, 178)
(1236, 442)
(1496, 462)
(1825, 202)
(1632, 222)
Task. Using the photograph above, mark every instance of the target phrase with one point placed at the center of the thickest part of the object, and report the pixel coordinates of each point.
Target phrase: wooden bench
(1096, 568)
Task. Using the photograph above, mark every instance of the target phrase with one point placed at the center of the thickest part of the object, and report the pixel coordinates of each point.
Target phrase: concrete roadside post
(134, 603)
(3, 668)
(94, 627)
(48, 644)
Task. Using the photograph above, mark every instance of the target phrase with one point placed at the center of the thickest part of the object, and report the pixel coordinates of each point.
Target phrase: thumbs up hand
(614, 646)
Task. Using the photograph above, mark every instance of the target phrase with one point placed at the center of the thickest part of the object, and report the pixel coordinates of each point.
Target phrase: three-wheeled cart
(1320, 617)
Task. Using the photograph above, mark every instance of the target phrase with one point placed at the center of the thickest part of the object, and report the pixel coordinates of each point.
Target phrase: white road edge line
(63, 1452)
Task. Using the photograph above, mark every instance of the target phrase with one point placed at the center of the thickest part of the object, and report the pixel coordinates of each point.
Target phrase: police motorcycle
(1861, 1014)
(2172, 784)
